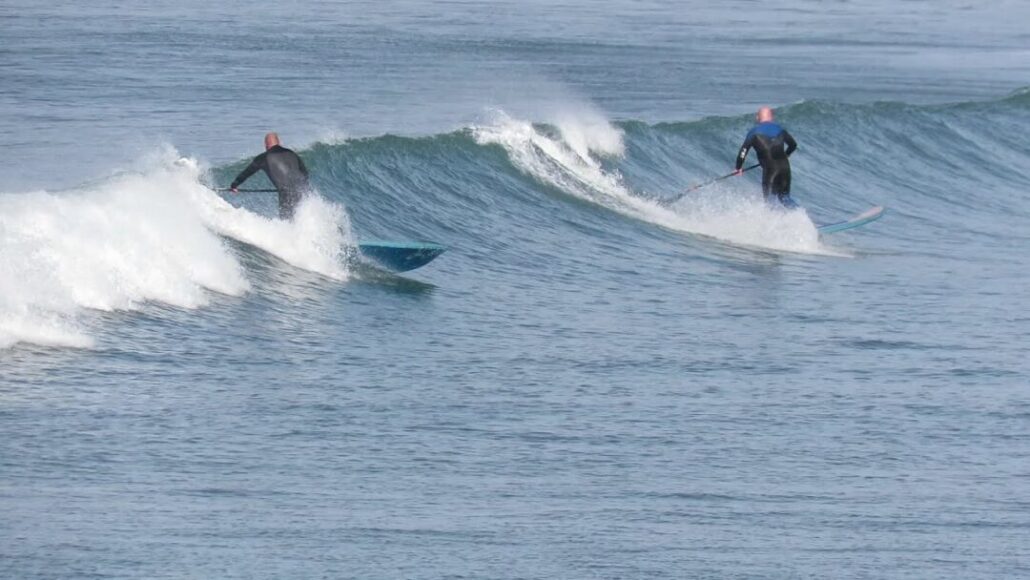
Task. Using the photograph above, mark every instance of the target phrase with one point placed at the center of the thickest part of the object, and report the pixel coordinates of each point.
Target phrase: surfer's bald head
(271, 140)
(764, 115)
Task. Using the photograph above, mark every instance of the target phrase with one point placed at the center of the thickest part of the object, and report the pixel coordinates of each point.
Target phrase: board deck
(870, 215)
(399, 256)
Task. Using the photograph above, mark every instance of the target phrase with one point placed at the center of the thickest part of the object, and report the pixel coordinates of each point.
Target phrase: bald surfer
(284, 169)
(774, 145)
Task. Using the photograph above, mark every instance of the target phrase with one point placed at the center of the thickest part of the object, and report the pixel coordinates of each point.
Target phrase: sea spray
(548, 157)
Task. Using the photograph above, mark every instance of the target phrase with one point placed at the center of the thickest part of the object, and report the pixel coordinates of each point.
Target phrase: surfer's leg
(287, 204)
(778, 184)
(781, 185)
(768, 174)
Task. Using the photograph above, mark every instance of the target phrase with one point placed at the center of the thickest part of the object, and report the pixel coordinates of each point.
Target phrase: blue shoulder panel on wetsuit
(766, 129)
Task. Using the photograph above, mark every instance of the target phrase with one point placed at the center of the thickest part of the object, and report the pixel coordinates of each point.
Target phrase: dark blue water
(591, 382)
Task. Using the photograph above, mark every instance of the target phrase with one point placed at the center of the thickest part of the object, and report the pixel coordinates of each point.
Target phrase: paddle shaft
(249, 190)
(709, 182)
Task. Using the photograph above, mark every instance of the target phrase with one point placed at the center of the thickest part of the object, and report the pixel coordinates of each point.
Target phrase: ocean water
(591, 382)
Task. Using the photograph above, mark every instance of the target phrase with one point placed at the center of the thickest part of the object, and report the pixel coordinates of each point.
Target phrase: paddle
(248, 190)
(680, 195)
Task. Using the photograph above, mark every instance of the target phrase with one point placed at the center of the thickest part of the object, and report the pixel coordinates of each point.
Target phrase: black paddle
(249, 190)
(680, 195)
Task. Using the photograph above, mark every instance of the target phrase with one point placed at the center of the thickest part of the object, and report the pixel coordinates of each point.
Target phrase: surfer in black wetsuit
(284, 169)
(768, 139)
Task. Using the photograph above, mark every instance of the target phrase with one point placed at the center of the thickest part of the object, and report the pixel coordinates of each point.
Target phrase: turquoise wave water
(936, 165)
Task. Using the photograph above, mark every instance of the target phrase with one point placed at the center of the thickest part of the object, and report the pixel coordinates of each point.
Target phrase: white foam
(316, 239)
(587, 131)
(564, 160)
(146, 236)
(744, 218)
(332, 135)
(570, 162)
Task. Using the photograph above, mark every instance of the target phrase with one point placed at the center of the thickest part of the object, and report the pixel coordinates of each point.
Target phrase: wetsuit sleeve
(255, 165)
(791, 143)
(742, 155)
(303, 168)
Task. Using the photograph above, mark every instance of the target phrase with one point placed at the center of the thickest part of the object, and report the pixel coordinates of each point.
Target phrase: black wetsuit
(768, 140)
(286, 171)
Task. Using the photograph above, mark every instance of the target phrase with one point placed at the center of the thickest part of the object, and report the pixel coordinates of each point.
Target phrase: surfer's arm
(792, 145)
(255, 165)
(742, 155)
(303, 168)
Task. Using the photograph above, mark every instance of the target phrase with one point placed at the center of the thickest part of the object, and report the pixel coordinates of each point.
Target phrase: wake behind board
(870, 215)
(399, 256)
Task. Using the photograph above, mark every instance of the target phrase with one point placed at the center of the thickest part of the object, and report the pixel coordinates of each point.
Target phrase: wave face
(508, 174)
(160, 235)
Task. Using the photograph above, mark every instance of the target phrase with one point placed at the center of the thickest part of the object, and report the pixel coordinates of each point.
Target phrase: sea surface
(601, 378)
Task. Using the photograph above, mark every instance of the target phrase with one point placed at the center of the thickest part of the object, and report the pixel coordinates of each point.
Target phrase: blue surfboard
(399, 256)
(869, 215)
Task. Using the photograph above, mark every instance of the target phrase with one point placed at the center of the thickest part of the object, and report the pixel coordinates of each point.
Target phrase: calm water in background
(588, 384)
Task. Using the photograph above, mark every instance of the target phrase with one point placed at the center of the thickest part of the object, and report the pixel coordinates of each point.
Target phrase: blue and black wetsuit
(768, 139)
(287, 173)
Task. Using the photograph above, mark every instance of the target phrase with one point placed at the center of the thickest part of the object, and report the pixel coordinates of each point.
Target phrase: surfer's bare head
(764, 115)
(271, 140)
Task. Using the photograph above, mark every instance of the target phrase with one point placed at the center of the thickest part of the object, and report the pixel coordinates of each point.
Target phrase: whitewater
(154, 236)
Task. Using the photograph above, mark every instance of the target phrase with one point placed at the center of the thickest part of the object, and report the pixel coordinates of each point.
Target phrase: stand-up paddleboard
(399, 256)
(869, 215)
